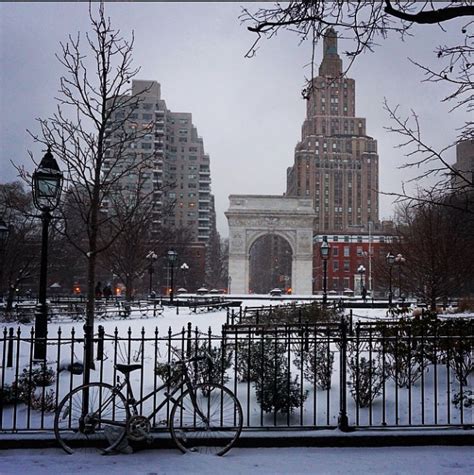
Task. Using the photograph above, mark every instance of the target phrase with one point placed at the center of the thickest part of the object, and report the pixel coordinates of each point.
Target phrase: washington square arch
(252, 217)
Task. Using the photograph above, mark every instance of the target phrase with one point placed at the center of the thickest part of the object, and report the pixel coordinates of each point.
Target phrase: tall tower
(177, 171)
(336, 162)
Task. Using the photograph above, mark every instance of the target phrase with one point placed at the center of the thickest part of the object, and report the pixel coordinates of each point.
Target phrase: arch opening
(270, 264)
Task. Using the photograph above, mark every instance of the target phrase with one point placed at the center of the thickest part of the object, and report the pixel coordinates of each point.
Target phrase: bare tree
(437, 245)
(91, 134)
(19, 261)
(450, 186)
(127, 255)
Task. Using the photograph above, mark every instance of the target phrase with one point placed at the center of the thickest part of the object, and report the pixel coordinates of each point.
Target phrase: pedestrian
(364, 294)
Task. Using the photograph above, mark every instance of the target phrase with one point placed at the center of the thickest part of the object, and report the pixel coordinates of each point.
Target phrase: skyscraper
(177, 173)
(336, 162)
(464, 166)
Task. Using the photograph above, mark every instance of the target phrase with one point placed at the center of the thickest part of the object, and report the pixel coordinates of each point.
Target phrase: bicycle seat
(127, 368)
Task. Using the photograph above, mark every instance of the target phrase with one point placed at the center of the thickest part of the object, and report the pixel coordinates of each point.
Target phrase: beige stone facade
(253, 216)
(336, 163)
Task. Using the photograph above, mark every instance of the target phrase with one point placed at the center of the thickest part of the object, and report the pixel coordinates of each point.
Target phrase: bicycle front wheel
(92, 416)
(207, 419)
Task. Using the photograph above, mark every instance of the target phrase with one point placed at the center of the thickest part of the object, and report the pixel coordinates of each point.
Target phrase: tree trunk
(10, 298)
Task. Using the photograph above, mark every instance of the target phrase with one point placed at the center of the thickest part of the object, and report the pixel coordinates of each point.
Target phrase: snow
(143, 319)
(299, 460)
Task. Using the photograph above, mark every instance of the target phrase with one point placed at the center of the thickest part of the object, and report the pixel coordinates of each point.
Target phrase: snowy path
(389, 460)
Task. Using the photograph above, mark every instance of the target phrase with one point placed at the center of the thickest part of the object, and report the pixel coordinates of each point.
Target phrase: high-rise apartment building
(177, 171)
(336, 162)
(464, 165)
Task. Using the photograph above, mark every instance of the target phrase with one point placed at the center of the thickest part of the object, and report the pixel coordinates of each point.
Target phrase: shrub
(408, 350)
(8, 394)
(266, 364)
(367, 379)
(257, 358)
(24, 389)
(279, 393)
(43, 402)
(317, 363)
(456, 343)
(466, 399)
(172, 373)
(212, 368)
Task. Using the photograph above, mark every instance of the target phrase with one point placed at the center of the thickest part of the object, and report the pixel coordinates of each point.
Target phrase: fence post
(343, 422)
(100, 344)
(10, 348)
(189, 340)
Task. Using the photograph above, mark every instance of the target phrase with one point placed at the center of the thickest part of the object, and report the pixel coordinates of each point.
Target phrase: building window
(335, 251)
(347, 266)
(347, 251)
(335, 266)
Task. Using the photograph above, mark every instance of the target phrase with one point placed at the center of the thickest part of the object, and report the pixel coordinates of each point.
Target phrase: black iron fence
(300, 375)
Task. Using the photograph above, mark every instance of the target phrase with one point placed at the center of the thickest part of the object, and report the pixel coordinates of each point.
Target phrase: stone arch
(252, 216)
(270, 257)
(255, 236)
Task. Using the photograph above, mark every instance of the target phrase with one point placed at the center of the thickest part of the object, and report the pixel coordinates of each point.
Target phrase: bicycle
(205, 417)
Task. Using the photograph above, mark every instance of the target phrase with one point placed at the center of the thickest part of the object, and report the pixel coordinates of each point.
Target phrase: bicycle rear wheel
(211, 424)
(101, 426)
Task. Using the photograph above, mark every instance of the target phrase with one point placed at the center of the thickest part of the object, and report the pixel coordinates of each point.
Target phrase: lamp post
(361, 272)
(325, 252)
(400, 260)
(47, 184)
(184, 268)
(390, 258)
(172, 256)
(151, 256)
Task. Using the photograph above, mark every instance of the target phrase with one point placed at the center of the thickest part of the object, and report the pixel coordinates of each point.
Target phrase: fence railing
(298, 375)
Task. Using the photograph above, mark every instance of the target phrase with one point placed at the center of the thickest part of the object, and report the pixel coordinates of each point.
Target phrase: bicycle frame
(168, 395)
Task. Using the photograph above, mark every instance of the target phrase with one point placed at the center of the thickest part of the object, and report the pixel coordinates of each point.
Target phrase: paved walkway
(298, 460)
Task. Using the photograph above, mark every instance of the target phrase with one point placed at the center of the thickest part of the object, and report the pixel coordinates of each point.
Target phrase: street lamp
(184, 268)
(46, 183)
(361, 272)
(325, 252)
(400, 260)
(172, 256)
(151, 256)
(390, 258)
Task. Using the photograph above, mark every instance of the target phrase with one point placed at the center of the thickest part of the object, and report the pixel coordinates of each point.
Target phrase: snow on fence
(301, 375)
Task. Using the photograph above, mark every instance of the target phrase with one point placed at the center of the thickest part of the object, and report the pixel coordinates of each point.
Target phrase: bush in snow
(367, 377)
(317, 362)
(466, 398)
(276, 390)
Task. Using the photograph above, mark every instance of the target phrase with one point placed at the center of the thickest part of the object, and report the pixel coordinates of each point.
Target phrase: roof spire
(332, 63)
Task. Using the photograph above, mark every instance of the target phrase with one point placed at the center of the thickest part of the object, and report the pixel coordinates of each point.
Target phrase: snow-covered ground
(143, 320)
(384, 460)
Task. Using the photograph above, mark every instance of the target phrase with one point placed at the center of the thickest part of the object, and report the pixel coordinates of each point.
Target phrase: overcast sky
(248, 111)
